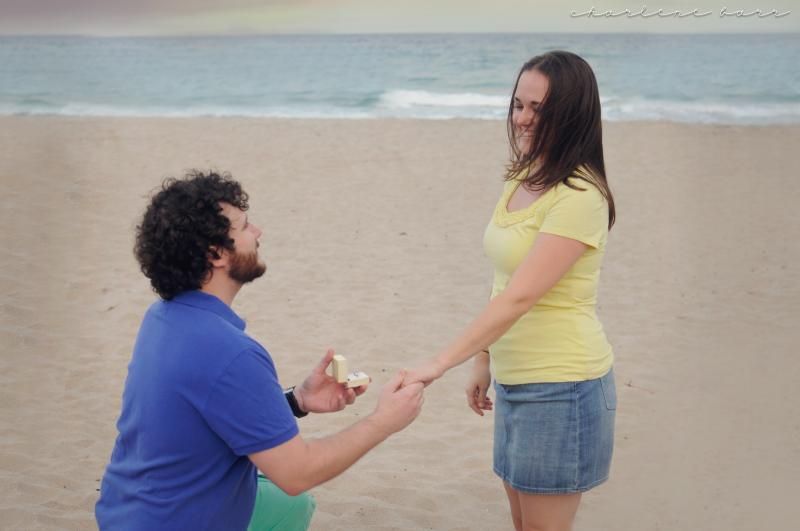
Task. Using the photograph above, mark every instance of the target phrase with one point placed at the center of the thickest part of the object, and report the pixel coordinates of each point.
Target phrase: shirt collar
(208, 302)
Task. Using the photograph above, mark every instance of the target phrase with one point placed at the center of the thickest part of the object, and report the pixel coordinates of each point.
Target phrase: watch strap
(296, 411)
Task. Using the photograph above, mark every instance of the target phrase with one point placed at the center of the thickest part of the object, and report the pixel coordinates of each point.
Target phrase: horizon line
(368, 33)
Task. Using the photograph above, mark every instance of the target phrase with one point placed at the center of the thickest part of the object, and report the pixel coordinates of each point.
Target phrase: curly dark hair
(181, 224)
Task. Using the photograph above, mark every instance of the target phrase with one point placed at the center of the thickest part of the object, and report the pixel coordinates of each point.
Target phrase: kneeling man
(202, 409)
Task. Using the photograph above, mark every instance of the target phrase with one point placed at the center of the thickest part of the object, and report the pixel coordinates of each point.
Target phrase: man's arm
(298, 465)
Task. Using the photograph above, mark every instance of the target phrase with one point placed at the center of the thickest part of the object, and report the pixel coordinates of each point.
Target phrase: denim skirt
(555, 438)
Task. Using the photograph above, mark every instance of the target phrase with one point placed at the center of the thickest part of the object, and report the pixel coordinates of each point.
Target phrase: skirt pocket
(609, 390)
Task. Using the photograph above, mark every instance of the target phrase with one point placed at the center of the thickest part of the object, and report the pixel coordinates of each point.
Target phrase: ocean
(728, 79)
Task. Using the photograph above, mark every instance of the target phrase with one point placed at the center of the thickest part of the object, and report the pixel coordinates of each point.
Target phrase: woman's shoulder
(580, 184)
(579, 195)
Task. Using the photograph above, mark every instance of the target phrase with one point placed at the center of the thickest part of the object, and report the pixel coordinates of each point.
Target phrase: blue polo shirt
(200, 396)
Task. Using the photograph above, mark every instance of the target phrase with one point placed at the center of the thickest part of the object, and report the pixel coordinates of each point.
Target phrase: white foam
(407, 99)
(430, 106)
(703, 112)
(95, 110)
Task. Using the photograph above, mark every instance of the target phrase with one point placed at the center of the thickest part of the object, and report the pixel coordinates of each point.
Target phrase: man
(202, 407)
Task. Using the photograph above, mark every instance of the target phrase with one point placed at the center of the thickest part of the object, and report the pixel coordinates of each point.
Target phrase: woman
(552, 364)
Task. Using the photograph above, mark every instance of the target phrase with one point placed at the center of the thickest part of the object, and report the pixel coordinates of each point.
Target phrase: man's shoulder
(181, 327)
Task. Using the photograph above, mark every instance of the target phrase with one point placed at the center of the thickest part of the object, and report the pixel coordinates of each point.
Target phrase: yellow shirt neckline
(503, 217)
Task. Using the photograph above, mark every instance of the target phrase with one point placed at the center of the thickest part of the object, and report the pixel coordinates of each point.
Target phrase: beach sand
(373, 238)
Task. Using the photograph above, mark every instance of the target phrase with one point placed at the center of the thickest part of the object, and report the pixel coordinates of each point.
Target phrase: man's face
(244, 265)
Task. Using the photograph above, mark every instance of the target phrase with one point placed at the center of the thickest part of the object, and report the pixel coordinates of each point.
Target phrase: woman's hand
(425, 373)
(478, 384)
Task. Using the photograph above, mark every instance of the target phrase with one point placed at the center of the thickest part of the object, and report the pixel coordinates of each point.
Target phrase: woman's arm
(548, 260)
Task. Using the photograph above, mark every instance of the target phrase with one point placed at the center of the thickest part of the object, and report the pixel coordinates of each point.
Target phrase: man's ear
(217, 256)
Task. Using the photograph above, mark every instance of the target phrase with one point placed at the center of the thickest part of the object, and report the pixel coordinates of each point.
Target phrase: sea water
(733, 79)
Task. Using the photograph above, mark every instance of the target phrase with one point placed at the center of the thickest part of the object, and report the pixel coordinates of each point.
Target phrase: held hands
(425, 374)
(398, 404)
(477, 385)
(321, 393)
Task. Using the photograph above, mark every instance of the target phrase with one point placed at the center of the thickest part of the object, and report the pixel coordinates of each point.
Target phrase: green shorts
(277, 511)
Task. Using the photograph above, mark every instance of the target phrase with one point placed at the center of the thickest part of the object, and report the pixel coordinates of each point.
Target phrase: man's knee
(302, 510)
(277, 511)
(528, 526)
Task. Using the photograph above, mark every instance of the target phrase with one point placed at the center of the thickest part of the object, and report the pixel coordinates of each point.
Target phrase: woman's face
(531, 91)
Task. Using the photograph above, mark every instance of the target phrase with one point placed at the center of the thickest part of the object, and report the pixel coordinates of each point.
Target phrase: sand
(372, 235)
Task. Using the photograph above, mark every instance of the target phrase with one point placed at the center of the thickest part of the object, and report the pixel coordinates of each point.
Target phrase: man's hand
(298, 465)
(321, 393)
(398, 405)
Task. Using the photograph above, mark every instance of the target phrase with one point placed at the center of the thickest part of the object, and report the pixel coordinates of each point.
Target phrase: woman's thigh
(513, 502)
(548, 512)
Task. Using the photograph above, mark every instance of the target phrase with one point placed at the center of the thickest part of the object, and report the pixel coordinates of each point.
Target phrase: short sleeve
(579, 215)
(247, 408)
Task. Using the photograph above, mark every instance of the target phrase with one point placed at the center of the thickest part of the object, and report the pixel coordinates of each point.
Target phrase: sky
(231, 17)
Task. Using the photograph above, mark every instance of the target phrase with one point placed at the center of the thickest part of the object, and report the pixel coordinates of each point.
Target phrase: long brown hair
(568, 134)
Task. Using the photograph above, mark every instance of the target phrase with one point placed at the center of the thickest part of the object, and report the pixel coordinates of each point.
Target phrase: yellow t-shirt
(560, 339)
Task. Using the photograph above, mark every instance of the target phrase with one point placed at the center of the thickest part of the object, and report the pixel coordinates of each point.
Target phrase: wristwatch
(296, 411)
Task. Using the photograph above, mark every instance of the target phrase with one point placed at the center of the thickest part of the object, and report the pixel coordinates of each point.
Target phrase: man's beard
(245, 267)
